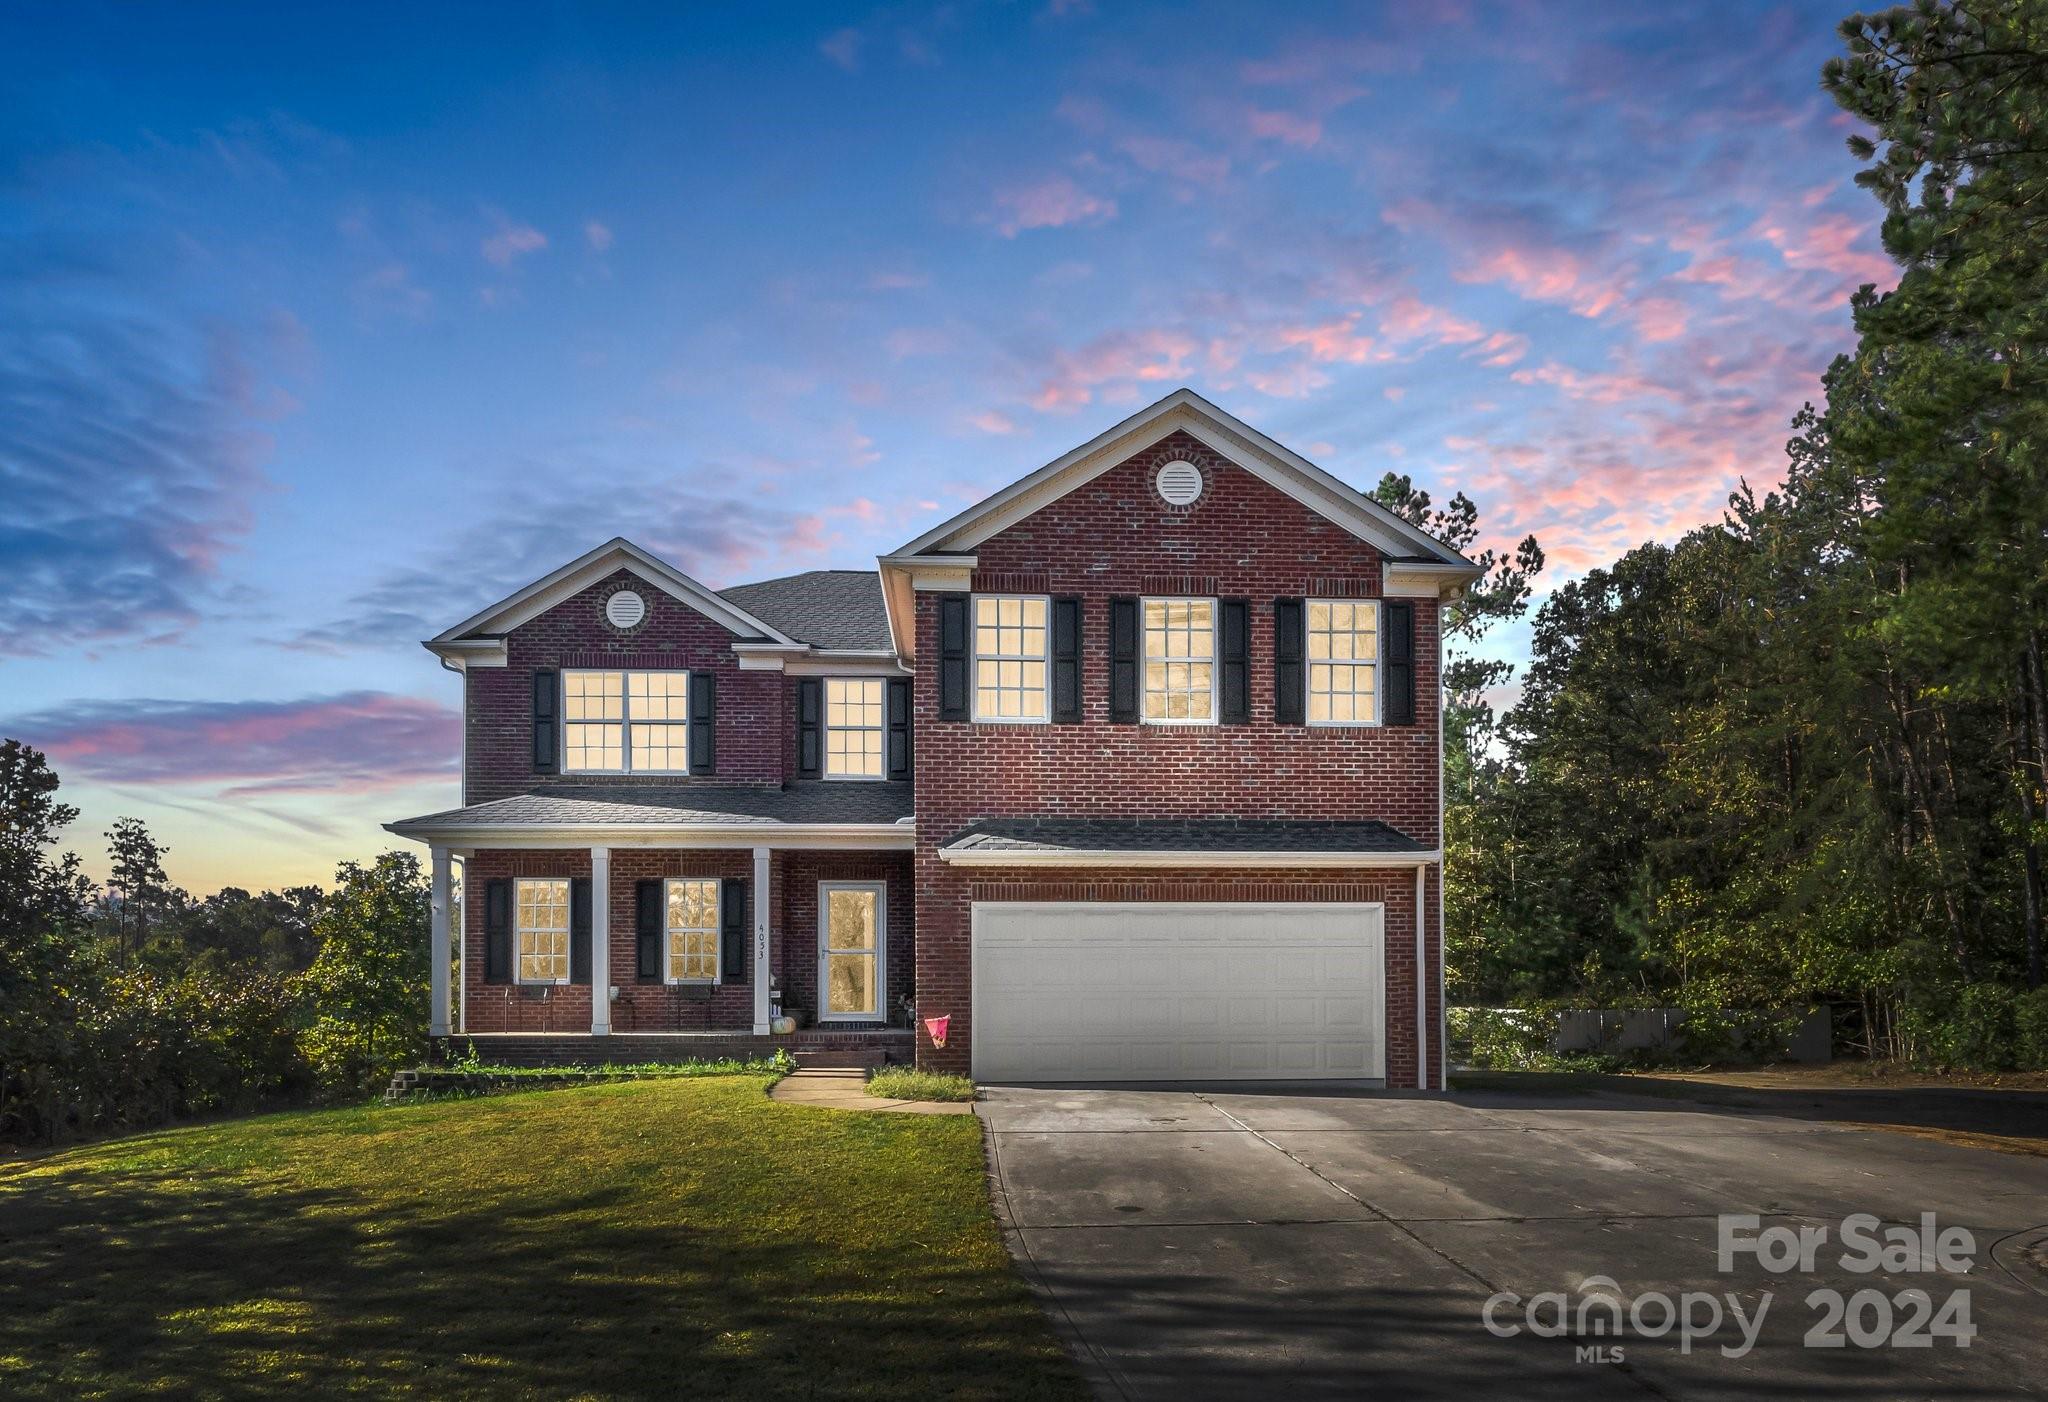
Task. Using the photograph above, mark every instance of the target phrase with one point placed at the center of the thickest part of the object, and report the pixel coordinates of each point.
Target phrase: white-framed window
(854, 727)
(1343, 662)
(541, 929)
(1180, 661)
(1011, 642)
(625, 722)
(690, 943)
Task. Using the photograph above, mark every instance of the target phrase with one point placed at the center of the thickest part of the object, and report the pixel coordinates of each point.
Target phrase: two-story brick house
(1130, 772)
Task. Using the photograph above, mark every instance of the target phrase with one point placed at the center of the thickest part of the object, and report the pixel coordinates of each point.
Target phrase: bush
(1505, 1039)
(2030, 1023)
(1975, 1027)
(902, 1083)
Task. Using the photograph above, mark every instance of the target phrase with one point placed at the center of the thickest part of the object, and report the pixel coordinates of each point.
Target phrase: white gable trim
(1227, 435)
(579, 574)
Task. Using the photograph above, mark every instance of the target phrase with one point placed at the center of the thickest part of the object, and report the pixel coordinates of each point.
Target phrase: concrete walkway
(845, 1088)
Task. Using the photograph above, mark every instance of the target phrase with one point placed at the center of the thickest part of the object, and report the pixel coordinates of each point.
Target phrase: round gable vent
(1179, 483)
(625, 609)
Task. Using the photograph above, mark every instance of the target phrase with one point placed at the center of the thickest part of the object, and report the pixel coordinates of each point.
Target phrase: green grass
(902, 1083)
(780, 1064)
(656, 1238)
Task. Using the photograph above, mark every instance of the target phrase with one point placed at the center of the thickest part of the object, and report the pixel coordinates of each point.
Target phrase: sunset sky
(317, 334)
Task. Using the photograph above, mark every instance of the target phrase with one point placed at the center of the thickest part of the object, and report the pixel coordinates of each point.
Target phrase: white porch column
(761, 971)
(600, 941)
(437, 996)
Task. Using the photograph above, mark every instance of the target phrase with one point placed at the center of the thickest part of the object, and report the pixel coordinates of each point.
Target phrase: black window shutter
(579, 930)
(1066, 661)
(544, 724)
(1123, 661)
(1289, 675)
(703, 723)
(1399, 645)
(899, 727)
(810, 742)
(648, 903)
(732, 931)
(953, 657)
(1235, 651)
(498, 930)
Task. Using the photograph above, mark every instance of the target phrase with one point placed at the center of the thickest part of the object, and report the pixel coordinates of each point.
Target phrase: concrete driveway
(1198, 1244)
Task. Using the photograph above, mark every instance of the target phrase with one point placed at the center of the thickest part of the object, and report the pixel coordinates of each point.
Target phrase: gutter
(1080, 857)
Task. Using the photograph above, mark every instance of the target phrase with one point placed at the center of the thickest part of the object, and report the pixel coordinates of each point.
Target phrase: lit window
(617, 722)
(1180, 659)
(692, 931)
(543, 926)
(853, 727)
(1343, 663)
(1009, 658)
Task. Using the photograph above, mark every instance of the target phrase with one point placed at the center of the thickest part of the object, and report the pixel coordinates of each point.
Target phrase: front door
(852, 925)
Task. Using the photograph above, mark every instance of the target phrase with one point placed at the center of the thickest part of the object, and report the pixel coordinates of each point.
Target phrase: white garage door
(1069, 991)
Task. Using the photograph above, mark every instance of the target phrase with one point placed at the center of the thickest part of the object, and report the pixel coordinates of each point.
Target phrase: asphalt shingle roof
(1178, 835)
(825, 608)
(813, 801)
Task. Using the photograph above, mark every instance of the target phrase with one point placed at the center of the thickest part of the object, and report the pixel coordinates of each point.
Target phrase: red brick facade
(656, 1007)
(753, 707)
(1115, 536)
(1112, 537)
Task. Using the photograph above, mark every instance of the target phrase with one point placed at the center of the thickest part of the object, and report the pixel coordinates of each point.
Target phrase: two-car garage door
(1076, 991)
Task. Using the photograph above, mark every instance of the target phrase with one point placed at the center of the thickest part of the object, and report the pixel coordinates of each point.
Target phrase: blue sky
(319, 330)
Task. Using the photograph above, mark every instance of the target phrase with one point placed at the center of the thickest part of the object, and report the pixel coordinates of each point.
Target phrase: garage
(1084, 991)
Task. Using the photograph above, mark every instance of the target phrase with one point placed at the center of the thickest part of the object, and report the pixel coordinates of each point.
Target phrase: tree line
(1799, 755)
(137, 1004)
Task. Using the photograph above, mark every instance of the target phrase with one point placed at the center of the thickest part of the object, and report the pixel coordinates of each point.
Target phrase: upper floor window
(1343, 662)
(1180, 660)
(542, 931)
(692, 927)
(853, 727)
(1009, 657)
(620, 722)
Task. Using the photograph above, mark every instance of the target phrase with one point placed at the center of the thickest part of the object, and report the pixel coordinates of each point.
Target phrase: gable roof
(951, 544)
(483, 629)
(840, 610)
(1184, 410)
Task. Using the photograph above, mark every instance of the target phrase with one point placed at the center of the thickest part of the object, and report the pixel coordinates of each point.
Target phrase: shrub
(1971, 1028)
(2030, 1024)
(1505, 1039)
(903, 1083)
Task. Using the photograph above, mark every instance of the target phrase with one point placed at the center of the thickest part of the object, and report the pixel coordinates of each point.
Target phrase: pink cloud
(354, 742)
(1828, 244)
(1122, 357)
(1333, 341)
(1287, 128)
(1053, 203)
(511, 242)
(994, 421)
(598, 235)
(1658, 318)
(842, 47)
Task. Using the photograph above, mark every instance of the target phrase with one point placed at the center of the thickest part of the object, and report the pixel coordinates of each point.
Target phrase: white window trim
(1379, 641)
(826, 727)
(626, 718)
(881, 890)
(974, 662)
(668, 974)
(569, 926)
(1215, 659)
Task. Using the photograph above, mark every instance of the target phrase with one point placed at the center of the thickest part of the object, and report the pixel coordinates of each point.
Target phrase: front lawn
(902, 1083)
(672, 1238)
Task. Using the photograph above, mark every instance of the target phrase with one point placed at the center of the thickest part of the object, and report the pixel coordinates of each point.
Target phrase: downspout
(1443, 1011)
(1421, 988)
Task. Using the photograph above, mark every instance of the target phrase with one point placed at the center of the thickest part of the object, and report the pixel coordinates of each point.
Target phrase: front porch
(811, 1046)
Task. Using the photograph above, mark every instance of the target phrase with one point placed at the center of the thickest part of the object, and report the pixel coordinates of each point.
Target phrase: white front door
(852, 931)
(1080, 991)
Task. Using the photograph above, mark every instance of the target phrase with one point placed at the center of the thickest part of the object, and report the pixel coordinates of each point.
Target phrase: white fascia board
(974, 857)
(818, 661)
(1410, 580)
(858, 837)
(903, 576)
(579, 574)
(464, 653)
(1280, 467)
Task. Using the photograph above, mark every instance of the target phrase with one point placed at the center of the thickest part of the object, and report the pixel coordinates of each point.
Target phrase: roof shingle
(813, 801)
(825, 608)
